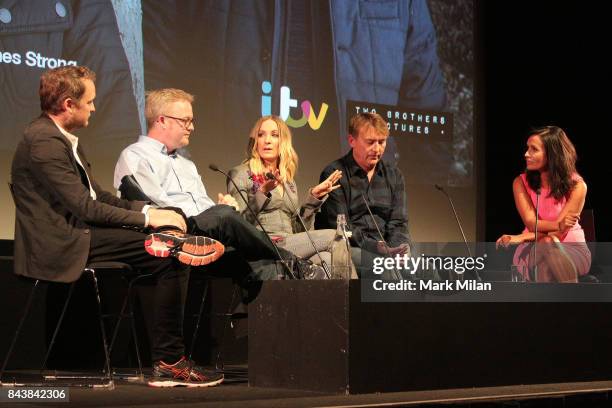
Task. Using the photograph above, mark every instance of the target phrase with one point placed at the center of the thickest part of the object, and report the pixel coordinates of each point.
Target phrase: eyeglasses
(186, 122)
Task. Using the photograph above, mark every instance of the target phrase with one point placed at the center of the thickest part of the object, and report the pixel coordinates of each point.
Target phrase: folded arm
(565, 220)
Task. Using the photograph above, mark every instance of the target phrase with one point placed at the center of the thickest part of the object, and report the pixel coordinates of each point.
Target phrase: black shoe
(183, 373)
(315, 271)
(189, 249)
(305, 269)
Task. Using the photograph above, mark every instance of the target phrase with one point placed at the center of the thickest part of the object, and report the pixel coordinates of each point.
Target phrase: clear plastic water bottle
(340, 251)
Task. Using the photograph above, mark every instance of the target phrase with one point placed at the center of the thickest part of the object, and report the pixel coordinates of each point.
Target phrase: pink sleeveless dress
(573, 242)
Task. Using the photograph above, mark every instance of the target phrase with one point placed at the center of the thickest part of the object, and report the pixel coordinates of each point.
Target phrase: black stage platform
(417, 353)
(300, 329)
(240, 395)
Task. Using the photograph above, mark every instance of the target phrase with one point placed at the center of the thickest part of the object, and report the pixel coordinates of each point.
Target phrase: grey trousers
(300, 245)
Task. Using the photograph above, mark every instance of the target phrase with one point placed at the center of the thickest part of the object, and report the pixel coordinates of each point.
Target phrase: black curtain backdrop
(545, 63)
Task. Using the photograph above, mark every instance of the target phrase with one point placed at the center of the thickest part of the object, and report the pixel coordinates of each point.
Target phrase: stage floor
(235, 392)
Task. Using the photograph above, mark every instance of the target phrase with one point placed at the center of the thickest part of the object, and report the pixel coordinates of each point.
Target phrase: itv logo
(286, 103)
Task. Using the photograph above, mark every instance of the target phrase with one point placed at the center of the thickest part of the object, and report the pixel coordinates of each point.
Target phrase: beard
(76, 123)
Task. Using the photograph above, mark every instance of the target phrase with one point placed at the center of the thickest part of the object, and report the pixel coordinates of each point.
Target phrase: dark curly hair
(561, 162)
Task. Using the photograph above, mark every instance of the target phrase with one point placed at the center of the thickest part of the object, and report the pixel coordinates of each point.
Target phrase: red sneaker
(191, 250)
(183, 373)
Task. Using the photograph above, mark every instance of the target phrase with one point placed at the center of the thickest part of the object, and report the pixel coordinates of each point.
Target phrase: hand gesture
(159, 218)
(228, 200)
(270, 185)
(321, 190)
(570, 219)
(384, 249)
(505, 240)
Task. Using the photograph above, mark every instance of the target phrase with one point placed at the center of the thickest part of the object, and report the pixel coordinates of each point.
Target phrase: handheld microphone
(271, 176)
(214, 167)
(450, 200)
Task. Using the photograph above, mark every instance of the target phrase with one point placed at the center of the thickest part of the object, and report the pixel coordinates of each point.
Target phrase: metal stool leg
(127, 310)
(220, 366)
(128, 305)
(119, 319)
(23, 318)
(57, 326)
(104, 340)
(133, 324)
(197, 327)
(135, 337)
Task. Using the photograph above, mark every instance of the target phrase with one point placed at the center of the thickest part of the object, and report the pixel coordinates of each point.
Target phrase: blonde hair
(287, 157)
(365, 119)
(158, 100)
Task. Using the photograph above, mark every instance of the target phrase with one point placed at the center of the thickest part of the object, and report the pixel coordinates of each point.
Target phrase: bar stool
(127, 311)
(97, 381)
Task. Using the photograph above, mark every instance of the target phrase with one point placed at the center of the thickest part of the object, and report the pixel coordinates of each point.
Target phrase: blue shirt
(170, 180)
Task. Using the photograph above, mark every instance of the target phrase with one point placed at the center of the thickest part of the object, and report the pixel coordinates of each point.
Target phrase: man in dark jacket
(64, 220)
(368, 181)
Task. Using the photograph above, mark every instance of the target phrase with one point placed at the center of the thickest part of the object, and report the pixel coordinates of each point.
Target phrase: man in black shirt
(368, 178)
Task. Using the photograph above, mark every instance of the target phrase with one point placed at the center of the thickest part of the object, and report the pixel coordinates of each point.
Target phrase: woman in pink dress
(561, 254)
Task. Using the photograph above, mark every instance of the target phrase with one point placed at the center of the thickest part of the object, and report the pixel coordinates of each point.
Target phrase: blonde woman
(273, 199)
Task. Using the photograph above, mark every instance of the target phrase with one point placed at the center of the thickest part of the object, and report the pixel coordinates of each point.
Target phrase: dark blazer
(54, 209)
